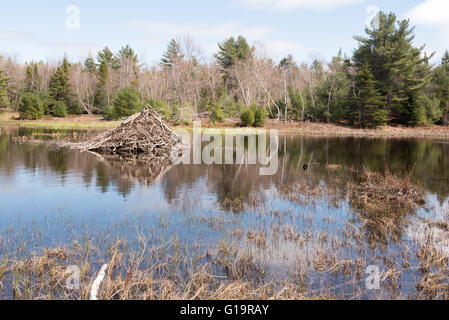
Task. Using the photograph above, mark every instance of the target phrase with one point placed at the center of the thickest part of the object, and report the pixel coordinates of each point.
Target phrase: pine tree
(105, 62)
(4, 100)
(102, 94)
(440, 84)
(445, 59)
(89, 64)
(107, 56)
(401, 71)
(173, 55)
(59, 83)
(32, 79)
(370, 108)
(288, 63)
(232, 50)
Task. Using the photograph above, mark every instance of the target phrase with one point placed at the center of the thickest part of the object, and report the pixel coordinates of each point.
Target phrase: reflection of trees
(430, 161)
(58, 161)
(50, 161)
(427, 158)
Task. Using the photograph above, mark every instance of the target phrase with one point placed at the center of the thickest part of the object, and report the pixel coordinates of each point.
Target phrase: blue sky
(36, 30)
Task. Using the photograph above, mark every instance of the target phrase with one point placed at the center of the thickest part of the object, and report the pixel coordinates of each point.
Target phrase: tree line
(387, 80)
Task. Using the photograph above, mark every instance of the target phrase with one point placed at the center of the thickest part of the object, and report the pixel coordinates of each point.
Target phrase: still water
(50, 197)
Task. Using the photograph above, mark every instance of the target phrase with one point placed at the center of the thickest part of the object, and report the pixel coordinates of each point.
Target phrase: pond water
(52, 197)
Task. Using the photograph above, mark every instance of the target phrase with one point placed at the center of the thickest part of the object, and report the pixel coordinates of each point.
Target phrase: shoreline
(91, 122)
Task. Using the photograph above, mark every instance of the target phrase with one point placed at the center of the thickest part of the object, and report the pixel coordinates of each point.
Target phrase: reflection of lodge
(136, 168)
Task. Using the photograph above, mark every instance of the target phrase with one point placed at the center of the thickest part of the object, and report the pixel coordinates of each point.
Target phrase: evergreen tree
(127, 103)
(440, 84)
(173, 55)
(126, 53)
(89, 64)
(369, 110)
(31, 106)
(32, 77)
(401, 71)
(59, 83)
(107, 56)
(4, 100)
(287, 63)
(232, 50)
(102, 93)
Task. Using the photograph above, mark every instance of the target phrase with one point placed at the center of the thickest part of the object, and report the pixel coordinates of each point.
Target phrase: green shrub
(175, 115)
(432, 106)
(127, 103)
(260, 115)
(31, 107)
(217, 114)
(161, 107)
(247, 117)
(74, 107)
(109, 114)
(60, 110)
(47, 102)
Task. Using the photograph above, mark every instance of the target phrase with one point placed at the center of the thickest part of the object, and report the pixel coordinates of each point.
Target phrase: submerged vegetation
(387, 193)
(275, 259)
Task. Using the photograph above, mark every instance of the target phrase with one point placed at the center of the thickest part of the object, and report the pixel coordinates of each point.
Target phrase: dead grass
(387, 193)
(130, 277)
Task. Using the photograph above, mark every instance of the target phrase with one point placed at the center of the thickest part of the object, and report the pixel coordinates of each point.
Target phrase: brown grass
(128, 277)
(378, 193)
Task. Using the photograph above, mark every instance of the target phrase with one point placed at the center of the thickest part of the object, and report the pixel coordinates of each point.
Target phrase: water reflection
(327, 159)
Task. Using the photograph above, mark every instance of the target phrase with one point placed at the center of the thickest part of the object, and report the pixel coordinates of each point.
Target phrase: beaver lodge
(143, 138)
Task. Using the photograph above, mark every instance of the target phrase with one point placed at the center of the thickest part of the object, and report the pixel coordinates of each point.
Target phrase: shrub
(160, 106)
(109, 114)
(247, 117)
(260, 115)
(127, 103)
(47, 102)
(187, 114)
(175, 115)
(74, 107)
(217, 114)
(432, 106)
(31, 107)
(60, 110)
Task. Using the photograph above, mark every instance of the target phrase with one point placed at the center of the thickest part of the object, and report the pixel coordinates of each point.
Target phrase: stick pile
(144, 135)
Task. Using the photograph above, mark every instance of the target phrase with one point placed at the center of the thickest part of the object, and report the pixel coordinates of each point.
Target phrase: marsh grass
(387, 193)
(301, 250)
(320, 265)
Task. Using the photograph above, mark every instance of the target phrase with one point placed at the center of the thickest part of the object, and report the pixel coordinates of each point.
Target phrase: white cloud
(435, 15)
(431, 12)
(295, 4)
